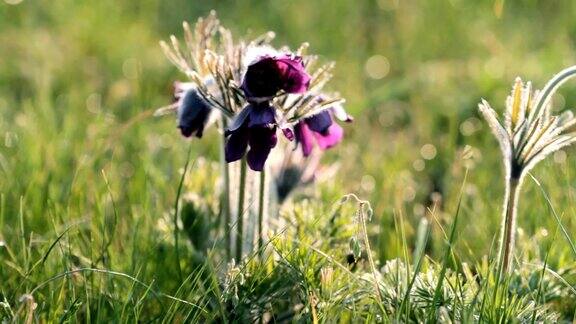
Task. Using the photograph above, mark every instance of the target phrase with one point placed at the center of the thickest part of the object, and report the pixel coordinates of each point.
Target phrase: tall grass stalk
(365, 211)
(362, 216)
(543, 273)
(449, 247)
(556, 216)
(111, 273)
(176, 211)
(419, 255)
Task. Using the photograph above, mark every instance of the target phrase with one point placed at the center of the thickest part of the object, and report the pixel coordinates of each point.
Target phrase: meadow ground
(89, 178)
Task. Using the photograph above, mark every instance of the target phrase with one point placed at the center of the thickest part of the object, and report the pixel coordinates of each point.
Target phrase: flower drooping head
(193, 111)
(253, 88)
(269, 74)
(255, 127)
(530, 131)
(291, 170)
(321, 129)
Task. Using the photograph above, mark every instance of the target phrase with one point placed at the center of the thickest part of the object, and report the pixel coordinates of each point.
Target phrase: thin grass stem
(449, 246)
(556, 216)
(176, 209)
(369, 250)
(67, 274)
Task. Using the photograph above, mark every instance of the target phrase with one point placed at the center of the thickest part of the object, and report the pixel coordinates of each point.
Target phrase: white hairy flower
(529, 132)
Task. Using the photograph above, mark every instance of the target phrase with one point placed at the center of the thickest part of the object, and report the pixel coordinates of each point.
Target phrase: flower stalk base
(240, 211)
(508, 227)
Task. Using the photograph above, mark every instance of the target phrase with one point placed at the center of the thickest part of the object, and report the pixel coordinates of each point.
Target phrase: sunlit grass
(88, 179)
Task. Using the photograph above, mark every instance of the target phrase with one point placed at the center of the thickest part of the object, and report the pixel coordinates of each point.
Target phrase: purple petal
(189, 131)
(305, 137)
(262, 141)
(267, 76)
(240, 119)
(236, 145)
(262, 79)
(332, 137)
(257, 159)
(262, 115)
(294, 77)
(320, 122)
(193, 113)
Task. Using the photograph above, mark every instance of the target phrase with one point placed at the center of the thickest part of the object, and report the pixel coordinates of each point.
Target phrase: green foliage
(88, 179)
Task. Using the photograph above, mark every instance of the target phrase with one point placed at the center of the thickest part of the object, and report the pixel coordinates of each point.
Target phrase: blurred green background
(79, 78)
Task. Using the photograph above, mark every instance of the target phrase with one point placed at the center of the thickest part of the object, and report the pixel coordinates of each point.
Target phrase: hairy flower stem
(362, 220)
(261, 194)
(225, 199)
(508, 227)
(240, 221)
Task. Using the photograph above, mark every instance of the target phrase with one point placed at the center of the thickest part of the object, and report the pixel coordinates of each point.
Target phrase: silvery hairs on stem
(529, 131)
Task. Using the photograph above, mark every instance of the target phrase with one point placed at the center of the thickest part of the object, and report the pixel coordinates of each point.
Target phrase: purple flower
(270, 74)
(320, 129)
(193, 111)
(254, 127)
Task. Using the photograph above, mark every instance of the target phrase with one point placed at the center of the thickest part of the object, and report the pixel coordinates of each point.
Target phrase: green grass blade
(556, 217)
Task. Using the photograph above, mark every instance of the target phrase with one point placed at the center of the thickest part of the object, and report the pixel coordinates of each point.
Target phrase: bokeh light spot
(419, 165)
(560, 157)
(428, 151)
(94, 103)
(377, 67)
(131, 68)
(368, 183)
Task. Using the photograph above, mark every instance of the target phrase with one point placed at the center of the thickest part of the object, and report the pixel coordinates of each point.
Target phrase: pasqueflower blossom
(254, 90)
(529, 131)
(193, 111)
(255, 127)
(321, 129)
(291, 170)
(269, 74)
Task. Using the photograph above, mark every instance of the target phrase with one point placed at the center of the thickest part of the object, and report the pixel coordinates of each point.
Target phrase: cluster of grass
(89, 180)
